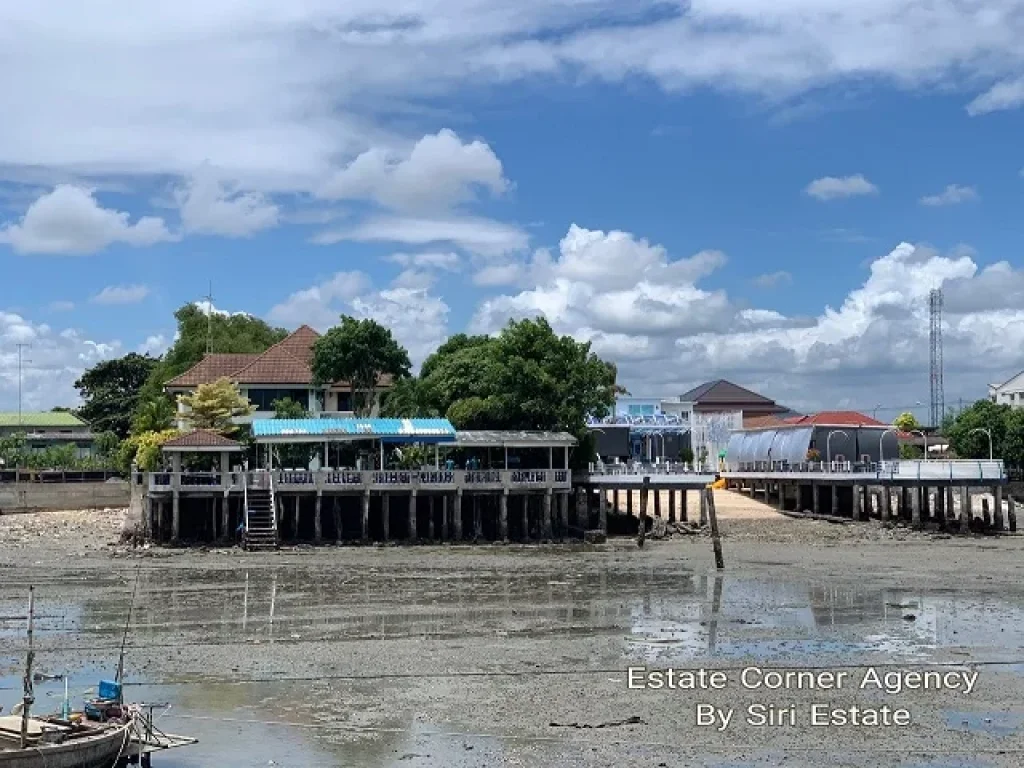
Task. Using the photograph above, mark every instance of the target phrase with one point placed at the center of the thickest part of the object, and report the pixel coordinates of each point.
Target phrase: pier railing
(357, 480)
(664, 468)
(938, 470)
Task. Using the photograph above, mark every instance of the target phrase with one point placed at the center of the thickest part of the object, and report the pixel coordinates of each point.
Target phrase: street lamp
(988, 434)
(881, 455)
(874, 411)
(828, 443)
(923, 437)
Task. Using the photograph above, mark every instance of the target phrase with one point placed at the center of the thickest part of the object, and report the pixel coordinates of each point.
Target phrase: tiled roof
(837, 419)
(275, 366)
(722, 391)
(760, 422)
(43, 420)
(210, 368)
(202, 438)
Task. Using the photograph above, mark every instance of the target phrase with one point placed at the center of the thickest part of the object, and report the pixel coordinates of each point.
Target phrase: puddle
(995, 723)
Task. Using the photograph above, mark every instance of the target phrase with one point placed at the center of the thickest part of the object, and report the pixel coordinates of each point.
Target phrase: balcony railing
(349, 479)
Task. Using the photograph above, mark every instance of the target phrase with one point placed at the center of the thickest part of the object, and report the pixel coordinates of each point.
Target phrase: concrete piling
(503, 517)
(965, 509)
(548, 532)
(385, 503)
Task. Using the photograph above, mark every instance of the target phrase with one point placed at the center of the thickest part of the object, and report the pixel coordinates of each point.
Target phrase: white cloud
(443, 260)
(206, 307)
(52, 364)
(1008, 94)
(473, 234)
(211, 206)
(69, 220)
(833, 188)
(417, 317)
(667, 333)
(154, 345)
(773, 279)
(953, 194)
(440, 171)
(121, 294)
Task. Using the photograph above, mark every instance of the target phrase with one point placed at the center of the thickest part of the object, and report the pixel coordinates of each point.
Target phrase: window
(641, 410)
(344, 401)
(264, 399)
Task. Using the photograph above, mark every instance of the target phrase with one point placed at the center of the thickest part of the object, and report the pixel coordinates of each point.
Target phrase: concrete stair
(262, 532)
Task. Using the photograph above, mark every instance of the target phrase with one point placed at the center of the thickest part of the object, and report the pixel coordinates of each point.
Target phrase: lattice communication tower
(938, 404)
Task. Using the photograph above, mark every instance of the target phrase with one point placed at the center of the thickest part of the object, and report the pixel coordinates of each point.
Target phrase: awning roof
(200, 441)
(386, 430)
(485, 438)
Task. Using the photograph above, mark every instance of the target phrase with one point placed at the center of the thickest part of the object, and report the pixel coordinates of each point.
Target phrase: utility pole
(21, 362)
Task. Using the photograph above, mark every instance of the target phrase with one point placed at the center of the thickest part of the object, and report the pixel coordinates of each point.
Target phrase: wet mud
(463, 656)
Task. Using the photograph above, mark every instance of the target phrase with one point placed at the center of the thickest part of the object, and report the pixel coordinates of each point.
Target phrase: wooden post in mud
(966, 513)
(548, 531)
(318, 523)
(672, 505)
(503, 516)
(458, 515)
(430, 522)
(445, 528)
(997, 497)
(563, 515)
(526, 517)
(365, 533)
(411, 534)
(716, 538)
(641, 532)
(385, 503)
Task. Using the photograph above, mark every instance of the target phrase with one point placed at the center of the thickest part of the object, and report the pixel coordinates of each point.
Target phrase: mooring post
(548, 532)
(602, 510)
(966, 513)
(365, 532)
(563, 507)
(411, 533)
(503, 516)
(318, 527)
(997, 497)
(672, 505)
(526, 517)
(457, 515)
(641, 532)
(385, 515)
(716, 538)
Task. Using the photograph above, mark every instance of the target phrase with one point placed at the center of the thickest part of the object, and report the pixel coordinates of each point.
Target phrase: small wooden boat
(55, 745)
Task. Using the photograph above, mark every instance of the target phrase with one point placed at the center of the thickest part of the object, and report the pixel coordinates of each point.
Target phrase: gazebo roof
(201, 441)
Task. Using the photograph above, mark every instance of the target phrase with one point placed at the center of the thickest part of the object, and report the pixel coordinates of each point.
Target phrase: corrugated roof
(41, 420)
(202, 438)
(440, 430)
(519, 439)
(722, 391)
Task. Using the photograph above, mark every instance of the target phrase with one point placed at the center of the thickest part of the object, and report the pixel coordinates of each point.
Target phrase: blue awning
(386, 430)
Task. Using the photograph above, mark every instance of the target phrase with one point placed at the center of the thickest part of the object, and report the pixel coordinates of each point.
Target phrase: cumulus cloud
(468, 233)
(208, 205)
(443, 260)
(121, 294)
(1008, 94)
(69, 220)
(56, 359)
(773, 279)
(440, 171)
(834, 188)
(667, 333)
(953, 194)
(154, 345)
(207, 307)
(417, 317)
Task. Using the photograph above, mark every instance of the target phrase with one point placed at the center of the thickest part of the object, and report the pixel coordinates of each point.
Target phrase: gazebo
(201, 441)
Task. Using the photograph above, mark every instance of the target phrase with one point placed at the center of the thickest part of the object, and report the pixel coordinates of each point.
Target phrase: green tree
(286, 408)
(213, 406)
(153, 415)
(107, 445)
(236, 333)
(906, 422)
(968, 433)
(144, 450)
(910, 452)
(407, 399)
(110, 392)
(360, 352)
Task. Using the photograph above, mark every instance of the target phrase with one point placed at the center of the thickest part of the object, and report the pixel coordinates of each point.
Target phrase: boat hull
(99, 751)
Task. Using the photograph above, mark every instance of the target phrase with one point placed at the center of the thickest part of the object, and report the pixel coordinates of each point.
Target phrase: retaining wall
(34, 497)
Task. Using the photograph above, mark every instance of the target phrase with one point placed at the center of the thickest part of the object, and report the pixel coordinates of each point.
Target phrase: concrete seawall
(36, 497)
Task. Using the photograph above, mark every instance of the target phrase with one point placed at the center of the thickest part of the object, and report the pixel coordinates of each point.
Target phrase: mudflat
(820, 644)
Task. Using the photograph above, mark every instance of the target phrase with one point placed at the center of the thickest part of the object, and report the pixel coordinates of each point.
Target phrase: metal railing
(947, 469)
(664, 468)
(273, 504)
(59, 475)
(245, 499)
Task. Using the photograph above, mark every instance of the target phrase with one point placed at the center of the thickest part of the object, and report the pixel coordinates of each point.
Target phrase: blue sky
(690, 188)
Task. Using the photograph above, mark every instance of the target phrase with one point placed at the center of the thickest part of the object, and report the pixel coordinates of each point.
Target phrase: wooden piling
(966, 513)
(782, 497)
(815, 498)
(478, 524)
(175, 517)
(708, 502)
(503, 516)
(915, 512)
(834, 501)
(365, 530)
(629, 502)
(950, 510)
(295, 519)
(445, 528)
(657, 503)
(940, 508)
(886, 504)
(225, 514)
(986, 515)
(703, 507)
(615, 501)
(683, 512)
(336, 512)
(385, 514)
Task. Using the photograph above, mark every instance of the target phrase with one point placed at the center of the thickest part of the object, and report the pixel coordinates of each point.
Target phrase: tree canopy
(1005, 424)
(906, 422)
(213, 406)
(236, 333)
(359, 352)
(110, 392)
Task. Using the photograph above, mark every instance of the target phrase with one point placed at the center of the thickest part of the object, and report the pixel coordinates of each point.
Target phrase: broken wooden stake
(716, 539)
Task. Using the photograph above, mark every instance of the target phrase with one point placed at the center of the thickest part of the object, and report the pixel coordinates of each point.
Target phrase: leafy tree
(911, 452)
(286, 408)
(237, 333)
(144, 450)
(107, 445)
(213, 406)
(110, 392)
(1004, 424)
(359, 352)
(407, 399)
(906, 422)
(153, 415)
(293, 455)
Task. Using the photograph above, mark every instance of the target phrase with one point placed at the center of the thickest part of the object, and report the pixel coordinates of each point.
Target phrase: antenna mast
(938, 403)
(209, 320)
(21, 361)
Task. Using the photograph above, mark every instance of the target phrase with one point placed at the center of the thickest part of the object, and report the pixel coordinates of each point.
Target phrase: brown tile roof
(724, 392)
(761, 422)
(275, 366)
(837, 419)
(211, 368)
(202, 438)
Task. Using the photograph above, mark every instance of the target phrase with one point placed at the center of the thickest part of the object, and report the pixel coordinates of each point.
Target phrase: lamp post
(881, 454)
(874, 411)
(923, 437)
(828, 444)
(988, 434)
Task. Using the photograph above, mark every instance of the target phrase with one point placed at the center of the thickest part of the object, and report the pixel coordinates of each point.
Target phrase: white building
(1009, 393)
